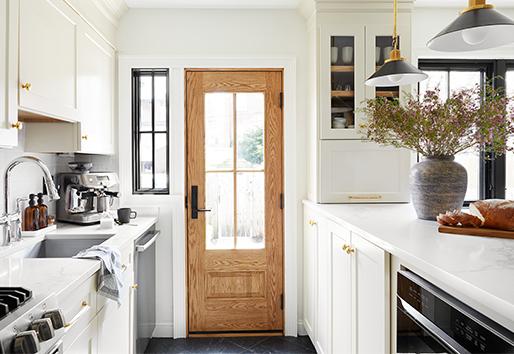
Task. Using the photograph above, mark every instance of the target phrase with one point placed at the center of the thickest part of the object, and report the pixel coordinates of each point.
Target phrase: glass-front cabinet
(348, 55)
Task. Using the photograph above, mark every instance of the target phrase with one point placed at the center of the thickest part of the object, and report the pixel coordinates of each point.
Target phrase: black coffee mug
(125, 214)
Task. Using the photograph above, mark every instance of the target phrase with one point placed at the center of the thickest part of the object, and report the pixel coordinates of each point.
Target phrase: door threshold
(236, 334)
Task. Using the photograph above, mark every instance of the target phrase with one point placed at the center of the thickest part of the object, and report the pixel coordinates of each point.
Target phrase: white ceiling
(460, 3)
(215, 4)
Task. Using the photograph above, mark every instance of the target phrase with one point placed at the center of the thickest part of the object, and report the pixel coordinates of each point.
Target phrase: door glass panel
(342, 74)
(219, 131)
(161, 177)
(145, 103)
(383, 48)
(219, 197)
(250, 130)
(250, 210)
(235, 194)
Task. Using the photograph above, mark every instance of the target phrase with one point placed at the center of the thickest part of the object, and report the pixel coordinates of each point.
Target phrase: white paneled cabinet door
(323, 304)
(372, 302)
(341, 273)
(309, 271)
(353, 171)
(96, 94)
(342, 74)
(87, 341)
(48, 59)
(8, 109)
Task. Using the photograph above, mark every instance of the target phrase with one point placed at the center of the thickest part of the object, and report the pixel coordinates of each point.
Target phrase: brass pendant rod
(395, 32)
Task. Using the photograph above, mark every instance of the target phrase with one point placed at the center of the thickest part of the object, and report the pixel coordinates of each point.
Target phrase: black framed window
(486, 174)
(150, 131)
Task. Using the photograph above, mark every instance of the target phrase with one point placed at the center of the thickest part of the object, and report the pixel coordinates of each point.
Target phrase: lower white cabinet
(87, 341)
(348, 310)
(354, 171)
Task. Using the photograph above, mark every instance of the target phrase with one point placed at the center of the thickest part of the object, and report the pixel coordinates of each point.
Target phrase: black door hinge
(281, 200)
(185, 201)
(281, 100)
(281, 301)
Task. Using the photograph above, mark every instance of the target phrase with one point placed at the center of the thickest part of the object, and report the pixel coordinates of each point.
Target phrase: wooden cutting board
(474, 231)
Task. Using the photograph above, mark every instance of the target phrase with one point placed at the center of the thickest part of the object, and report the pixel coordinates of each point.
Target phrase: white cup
(334, 53)
(347, 55)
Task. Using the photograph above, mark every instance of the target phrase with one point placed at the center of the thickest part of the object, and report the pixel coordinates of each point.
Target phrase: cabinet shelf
(342, 68)
(343, 93)
(388, 94)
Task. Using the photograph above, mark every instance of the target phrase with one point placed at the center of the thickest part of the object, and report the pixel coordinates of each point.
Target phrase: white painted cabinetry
(351, 289)
(8, 109)
(48, 35)
(87, 341)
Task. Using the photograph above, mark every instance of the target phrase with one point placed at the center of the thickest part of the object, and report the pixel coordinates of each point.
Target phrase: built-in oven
(429, 320)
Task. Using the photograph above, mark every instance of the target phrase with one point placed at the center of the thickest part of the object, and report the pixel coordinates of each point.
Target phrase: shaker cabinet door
(323, 297)
(353, 171)
(48, 59)
(310, 235)
(96, 94)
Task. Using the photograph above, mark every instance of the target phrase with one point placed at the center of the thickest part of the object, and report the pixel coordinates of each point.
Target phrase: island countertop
(477, 270)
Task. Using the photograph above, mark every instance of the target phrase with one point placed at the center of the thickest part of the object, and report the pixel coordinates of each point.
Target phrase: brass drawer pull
(17, 125)
(348, 249)
(312, 222)
(26, 86)
(365, 197)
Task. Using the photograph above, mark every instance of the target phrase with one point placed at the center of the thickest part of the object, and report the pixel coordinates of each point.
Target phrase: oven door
(416, 334)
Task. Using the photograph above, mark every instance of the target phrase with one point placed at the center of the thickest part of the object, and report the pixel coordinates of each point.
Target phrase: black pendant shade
(396, 73)
(475, 29)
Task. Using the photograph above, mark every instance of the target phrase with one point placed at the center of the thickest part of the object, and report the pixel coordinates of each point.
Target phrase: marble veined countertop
(58, 276)
(477, 270)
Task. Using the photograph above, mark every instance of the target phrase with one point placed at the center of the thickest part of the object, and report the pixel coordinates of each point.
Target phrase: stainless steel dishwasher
(145, 292)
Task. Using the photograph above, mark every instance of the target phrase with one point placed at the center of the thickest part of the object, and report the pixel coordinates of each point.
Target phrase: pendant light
(479, 26)
(396, 71)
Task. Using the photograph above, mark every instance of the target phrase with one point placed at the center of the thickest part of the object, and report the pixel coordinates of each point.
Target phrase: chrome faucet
(9, 217)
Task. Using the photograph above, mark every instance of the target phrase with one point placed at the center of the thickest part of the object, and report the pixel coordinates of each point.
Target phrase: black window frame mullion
(137, 133)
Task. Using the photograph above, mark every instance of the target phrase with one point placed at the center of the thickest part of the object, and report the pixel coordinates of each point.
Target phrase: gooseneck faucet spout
(53, 194)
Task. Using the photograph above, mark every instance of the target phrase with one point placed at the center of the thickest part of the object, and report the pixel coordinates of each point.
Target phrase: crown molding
(112, 10)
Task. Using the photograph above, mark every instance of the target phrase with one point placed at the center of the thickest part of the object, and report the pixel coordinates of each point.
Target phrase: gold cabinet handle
(348, 249)
(26, 86)
(84, 137)
(135, 286)
(17, 125)
(123, 267)
(365, 197)
(312, 222)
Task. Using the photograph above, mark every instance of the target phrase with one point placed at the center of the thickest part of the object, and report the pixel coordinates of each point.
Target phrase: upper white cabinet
(71, 80)
(353, 171)
(8, 82)
(48, 35)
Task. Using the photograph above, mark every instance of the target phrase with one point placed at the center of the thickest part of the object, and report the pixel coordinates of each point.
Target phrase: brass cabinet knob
(84, 137)
(26, 86)
(135, 286)
(348, 249)
(17, 125)
(84, 303)
(312, 222)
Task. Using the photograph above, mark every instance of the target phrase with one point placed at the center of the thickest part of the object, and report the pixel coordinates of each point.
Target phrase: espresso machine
(85, 196)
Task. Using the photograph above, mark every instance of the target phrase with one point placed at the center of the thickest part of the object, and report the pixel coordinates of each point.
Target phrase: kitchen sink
(62, 247)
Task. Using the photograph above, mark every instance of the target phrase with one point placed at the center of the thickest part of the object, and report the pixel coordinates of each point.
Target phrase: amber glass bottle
(31, 215)
(43, 212)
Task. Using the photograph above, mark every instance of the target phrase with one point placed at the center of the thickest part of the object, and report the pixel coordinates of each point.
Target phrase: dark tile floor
(261, 345)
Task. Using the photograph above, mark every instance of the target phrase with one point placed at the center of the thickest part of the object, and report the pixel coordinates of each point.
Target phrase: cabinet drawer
(362, 172)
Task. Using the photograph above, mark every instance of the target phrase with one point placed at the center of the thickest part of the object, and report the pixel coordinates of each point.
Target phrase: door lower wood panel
(234, 169)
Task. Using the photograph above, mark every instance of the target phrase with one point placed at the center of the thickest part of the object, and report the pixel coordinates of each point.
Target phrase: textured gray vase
(437, 184)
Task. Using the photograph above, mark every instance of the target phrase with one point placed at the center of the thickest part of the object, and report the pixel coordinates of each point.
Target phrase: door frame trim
(292, 202)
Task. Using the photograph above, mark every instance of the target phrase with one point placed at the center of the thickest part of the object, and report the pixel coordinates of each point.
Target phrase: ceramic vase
(438, 184)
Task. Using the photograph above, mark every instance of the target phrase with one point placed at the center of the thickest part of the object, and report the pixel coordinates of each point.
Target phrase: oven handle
(429, 326)
(142, 248)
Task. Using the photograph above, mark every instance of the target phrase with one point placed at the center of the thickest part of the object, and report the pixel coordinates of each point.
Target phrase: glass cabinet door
(342, 67)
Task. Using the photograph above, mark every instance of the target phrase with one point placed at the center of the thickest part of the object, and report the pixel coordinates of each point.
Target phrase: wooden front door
(234, 202)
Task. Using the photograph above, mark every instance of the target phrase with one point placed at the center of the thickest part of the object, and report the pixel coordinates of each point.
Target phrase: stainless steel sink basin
(62, 247)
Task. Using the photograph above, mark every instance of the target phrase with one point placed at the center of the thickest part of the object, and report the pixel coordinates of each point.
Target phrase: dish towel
(110, 279)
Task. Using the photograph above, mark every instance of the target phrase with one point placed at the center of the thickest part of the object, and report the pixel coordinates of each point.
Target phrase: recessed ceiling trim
(214, 4)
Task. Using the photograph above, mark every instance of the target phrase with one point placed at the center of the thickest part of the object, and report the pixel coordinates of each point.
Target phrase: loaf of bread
(491, 214)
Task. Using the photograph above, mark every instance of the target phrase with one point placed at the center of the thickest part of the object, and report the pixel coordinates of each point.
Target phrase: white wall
(213, 34)
(427, 22)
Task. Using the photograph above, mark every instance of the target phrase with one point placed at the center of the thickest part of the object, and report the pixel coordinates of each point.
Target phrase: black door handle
(194, 203)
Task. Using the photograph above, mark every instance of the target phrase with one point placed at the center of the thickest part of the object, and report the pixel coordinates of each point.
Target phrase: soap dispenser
(43, 212)
(31, 215)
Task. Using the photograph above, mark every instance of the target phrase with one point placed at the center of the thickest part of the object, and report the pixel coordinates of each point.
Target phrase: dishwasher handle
(151, 241)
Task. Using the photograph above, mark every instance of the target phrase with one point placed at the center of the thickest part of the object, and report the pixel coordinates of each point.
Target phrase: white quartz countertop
(477, 270)
(47, 276)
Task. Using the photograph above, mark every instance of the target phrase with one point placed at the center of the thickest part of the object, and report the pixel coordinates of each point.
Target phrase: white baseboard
(301, 328)
(163, 330)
